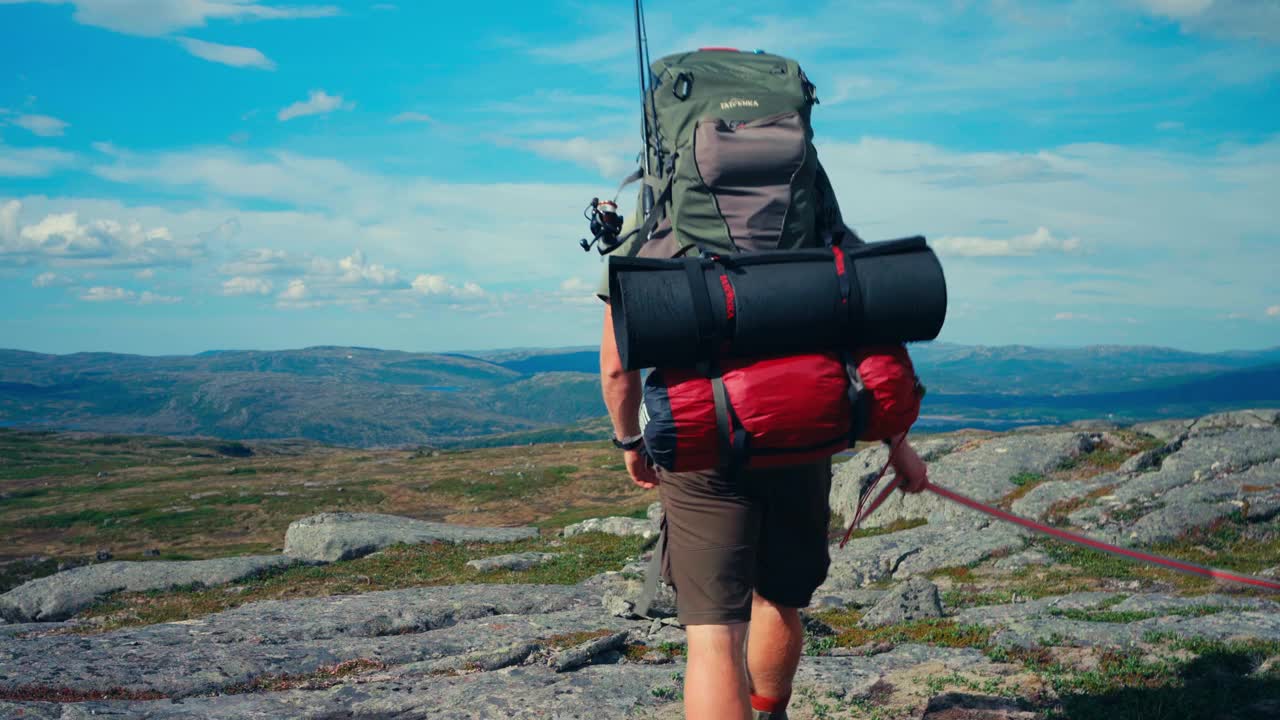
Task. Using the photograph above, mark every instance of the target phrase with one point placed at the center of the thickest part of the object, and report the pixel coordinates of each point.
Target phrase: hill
(364, 397)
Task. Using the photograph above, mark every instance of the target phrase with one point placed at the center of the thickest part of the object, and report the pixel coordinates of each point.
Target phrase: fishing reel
(605, 225)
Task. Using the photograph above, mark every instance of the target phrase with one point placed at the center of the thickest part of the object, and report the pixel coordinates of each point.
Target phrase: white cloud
(439, 286)
(232, 55)
(1039, 242)
(354, 270)
(296, 291)
(318, 102)
(42, 125)
(605, 156)
(32, 162)
(62, 237)
(145, 274)
(1273, 311)
(261, 261)
(100, 293)
(48, 279)
(1169, 125)
(150, 298)
(1250, 19)
(161, 17)
(107, 293)
(412, 117)
(241, 285)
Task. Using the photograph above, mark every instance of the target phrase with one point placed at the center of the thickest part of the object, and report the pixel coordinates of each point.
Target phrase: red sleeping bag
(782, 411)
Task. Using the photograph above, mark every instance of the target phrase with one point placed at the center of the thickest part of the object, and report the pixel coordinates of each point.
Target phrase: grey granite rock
(1209, 476)
(916, 551)
(915, 599)
(486, 660)
(296, 637)
(621, 526)
(1059, 630)
(1164, 429)
(330, 537)
(519, 692)
(1044, 496)
(1235, 419)
(59, 596)
(1024, 559)
(513, 561)
(576, 657)
(1161, 603)
(981, 472)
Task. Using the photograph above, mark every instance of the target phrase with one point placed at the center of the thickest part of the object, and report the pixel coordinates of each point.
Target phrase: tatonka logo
(738, 102)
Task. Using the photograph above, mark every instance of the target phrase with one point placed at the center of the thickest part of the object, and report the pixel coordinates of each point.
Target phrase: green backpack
(733, 166)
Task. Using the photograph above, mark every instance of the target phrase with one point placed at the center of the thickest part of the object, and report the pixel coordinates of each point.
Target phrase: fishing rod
(602, 216)
(642, 69)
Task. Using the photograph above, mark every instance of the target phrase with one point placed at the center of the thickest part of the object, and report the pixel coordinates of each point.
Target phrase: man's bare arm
(621, 389)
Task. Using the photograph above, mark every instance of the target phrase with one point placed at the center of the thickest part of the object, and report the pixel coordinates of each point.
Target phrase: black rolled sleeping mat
(783, 302)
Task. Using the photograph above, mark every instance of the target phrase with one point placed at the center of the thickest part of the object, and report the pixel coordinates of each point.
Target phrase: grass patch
(1216, 679)
(942, 632)
(143, 517)
(575, 515)
(1100, 459)
(581, 556)
(574, 639)
(1024, 483)
(1026, 478)
(506, 485)
(1059, 513)
(16, 572)
(1218, 683)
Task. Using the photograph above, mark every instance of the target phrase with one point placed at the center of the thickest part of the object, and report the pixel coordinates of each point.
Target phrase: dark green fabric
(739, 89)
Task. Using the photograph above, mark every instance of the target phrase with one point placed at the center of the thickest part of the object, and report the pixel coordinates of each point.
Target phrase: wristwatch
(630, 443)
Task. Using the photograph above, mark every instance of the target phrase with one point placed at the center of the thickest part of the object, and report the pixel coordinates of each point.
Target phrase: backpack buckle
(682, 87)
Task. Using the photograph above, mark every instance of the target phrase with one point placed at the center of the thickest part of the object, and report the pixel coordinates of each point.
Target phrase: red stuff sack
(891, 390)
(781, 411)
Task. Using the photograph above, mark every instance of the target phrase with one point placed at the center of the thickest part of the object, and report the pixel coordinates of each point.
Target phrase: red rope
(1136, 555)
(1059, 533)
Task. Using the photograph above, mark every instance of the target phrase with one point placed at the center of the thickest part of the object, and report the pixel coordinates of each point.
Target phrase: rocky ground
(930, 612)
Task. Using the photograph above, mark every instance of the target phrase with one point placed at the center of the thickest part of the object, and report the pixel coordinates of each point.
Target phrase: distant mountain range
(369, 397)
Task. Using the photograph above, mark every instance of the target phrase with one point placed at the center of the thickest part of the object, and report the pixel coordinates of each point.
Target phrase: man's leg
(774, 647)
(715, 680)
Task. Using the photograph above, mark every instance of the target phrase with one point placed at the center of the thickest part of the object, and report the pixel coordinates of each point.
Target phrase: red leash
(1059, 533)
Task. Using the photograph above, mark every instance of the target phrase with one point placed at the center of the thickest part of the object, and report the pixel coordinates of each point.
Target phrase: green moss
(1025, 478)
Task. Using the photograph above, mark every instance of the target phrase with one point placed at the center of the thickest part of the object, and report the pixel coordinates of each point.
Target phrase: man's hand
(913, 474)
(640, 470)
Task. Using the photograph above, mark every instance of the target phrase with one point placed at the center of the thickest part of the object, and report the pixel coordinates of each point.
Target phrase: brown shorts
(766, 531)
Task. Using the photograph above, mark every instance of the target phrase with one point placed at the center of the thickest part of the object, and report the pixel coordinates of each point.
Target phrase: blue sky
(183, 175)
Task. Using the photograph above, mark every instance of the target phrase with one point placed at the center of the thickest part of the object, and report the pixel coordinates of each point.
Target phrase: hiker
(744, 554)
(744, 538)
